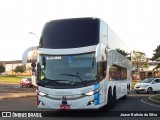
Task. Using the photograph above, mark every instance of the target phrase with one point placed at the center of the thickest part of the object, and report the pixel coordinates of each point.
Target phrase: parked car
(148, 85)
(3, 74)
(26, 82)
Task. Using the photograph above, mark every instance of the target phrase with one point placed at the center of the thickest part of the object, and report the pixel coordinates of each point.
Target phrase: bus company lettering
(63, 93)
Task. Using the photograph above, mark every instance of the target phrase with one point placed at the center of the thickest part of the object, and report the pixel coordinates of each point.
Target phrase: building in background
(11, 65)
(144, 72)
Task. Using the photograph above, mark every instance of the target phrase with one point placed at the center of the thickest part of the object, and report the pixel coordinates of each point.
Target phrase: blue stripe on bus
(96, 96)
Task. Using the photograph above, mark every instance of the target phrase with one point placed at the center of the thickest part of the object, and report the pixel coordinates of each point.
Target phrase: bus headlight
(90, 93)
(41, 93)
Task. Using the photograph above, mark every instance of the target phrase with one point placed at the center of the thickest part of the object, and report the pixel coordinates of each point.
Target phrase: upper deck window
(70, 33)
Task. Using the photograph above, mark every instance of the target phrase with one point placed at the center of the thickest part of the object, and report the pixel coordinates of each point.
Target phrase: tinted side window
(117, 73)
(102, 70)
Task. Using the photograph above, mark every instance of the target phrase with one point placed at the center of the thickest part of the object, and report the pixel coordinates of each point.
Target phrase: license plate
(64, 107)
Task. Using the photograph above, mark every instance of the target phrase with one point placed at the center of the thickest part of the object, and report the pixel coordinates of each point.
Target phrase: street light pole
(38, 38)
(34, 72)
(34, 35)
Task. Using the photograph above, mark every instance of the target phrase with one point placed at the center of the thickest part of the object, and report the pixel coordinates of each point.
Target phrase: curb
(15, 95)
(154, 101)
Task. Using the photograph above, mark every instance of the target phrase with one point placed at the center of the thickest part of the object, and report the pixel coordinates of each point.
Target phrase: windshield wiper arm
(74, 76)
(47, 81)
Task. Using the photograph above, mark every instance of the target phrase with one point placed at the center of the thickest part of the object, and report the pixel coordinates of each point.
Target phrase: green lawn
(156, 97)
(11, 78)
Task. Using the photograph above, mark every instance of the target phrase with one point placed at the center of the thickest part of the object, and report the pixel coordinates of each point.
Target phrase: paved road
(134, 102)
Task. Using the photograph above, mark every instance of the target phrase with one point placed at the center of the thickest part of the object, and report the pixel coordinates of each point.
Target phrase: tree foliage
(156, 54)
(20, 68)
(2, 69)
(139, 59)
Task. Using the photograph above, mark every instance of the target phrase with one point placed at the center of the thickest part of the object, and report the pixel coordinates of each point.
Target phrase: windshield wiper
(74, 76)
(48, 81)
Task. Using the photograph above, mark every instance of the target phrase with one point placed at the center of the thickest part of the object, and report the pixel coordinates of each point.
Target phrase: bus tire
(128, 89)
(114, 98)
(108, 106)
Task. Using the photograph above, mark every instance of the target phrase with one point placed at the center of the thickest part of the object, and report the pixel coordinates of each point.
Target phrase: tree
(20, 69)
(2, 69)
(156, 54)
(139, 59)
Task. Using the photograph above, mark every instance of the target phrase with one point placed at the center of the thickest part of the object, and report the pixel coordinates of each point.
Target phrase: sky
(136, 22)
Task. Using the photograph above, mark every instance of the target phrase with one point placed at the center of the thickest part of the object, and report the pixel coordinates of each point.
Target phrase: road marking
(144, 101)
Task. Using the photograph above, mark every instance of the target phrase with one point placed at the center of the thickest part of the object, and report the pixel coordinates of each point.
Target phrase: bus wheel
(108, 106)
(114, 97)
(128, 89)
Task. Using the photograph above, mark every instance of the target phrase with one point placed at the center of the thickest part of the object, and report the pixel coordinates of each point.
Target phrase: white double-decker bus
(78, 66)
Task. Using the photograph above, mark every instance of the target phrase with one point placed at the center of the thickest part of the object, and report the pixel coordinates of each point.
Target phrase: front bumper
(87, 102)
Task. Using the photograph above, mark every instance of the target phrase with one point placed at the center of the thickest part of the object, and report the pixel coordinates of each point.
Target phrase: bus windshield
(68, 70)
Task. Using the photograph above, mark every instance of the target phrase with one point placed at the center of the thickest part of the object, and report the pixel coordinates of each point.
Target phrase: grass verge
(11, 78)
(156, 98)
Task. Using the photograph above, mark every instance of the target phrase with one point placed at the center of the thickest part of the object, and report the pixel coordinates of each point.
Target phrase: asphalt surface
(13, 90)
(132, 103)
(27, 102)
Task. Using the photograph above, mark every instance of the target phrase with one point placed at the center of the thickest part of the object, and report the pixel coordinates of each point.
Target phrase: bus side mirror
(100, 52)
(25, 53)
